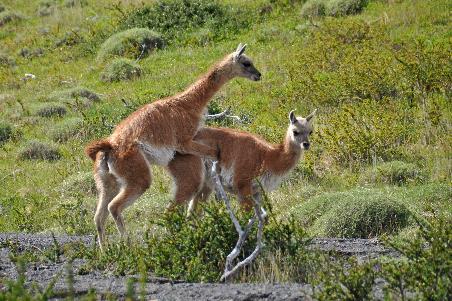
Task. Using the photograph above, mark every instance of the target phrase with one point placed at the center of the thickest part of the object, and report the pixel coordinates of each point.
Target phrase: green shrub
(357, 213)
(335, 282)
(51, 110)
(425, 265)
(176, 19)
(7, 16)
(338, 8)
(121, 69)
(394, 172)
(364, 217)
(313, 8)
(67, 129)
(73, 96)
(130, 43)
(6, 132)
(195, 249)
(347, 60)
(36, 150)
(362, 132)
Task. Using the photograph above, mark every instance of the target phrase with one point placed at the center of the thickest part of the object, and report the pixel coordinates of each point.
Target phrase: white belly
(157, 155)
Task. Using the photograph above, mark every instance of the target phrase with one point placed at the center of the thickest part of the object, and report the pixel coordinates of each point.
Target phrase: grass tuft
(338, 8)
(51, 110)
(7, 16)
(365, 218)
(130, 43)
(74, 95)
(313, 8)
(71, 128)
(121, 69)
(6, 132)
(394, 173)
(36, 150)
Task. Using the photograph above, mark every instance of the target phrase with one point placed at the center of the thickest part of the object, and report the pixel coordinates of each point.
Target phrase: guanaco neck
(197, 95)
(284, 157)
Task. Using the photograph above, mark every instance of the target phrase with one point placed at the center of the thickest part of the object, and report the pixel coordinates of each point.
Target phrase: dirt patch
(156, 287)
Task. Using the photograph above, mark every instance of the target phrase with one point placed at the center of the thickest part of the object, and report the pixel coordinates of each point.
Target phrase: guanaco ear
(292, 117)
(239, 51)
(309, 117)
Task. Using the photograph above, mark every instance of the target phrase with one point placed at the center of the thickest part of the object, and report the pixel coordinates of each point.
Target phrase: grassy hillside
(380, 77)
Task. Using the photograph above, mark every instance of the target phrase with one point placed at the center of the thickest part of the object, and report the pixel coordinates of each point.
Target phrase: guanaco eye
(246, 64)
(295, 133)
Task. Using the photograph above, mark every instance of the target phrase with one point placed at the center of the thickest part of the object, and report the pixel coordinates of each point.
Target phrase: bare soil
(158, 288)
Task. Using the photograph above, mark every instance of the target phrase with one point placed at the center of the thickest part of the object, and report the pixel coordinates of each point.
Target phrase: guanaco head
(300, 129)
(242, 66)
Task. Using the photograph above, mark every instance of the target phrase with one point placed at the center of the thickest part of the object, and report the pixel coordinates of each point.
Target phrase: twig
(243, 234)
(143, 46)
(223, 115)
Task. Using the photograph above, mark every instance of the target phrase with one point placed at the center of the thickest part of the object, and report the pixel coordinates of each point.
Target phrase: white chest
(271, 181)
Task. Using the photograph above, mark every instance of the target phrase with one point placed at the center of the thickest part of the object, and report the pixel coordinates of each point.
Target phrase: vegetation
(182, 21)
(7, 16)
(6, 132)
(121, 69)
(130, 43)
(380, 159)
(51, 110)
(36, 150)
(395, 173)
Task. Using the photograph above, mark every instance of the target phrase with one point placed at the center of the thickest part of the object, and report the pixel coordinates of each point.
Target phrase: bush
(425, 265)
(362, 132)
(355, 213)
(67, 129)
(7, 16)
(130, 43)
(347, 61)
(36, 150)
(121, 69)
(51, 110)
(196, 249)
(80, 94)
(313, 8)
(6, 132)
(177, 19)
(338, 8)
(394, 172)
(364, 217)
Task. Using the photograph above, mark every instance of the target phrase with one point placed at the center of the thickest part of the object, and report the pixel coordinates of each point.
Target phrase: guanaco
(122, 170)
(242, 158)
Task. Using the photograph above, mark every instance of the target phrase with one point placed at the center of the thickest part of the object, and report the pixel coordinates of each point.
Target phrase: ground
(159, 288)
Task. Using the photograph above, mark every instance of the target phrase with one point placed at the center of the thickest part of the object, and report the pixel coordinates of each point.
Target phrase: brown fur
(246, 156)
(121, 168)
(97, 146)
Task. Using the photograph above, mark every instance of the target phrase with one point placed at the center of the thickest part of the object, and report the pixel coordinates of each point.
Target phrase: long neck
(197, 95)
(284, 157)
